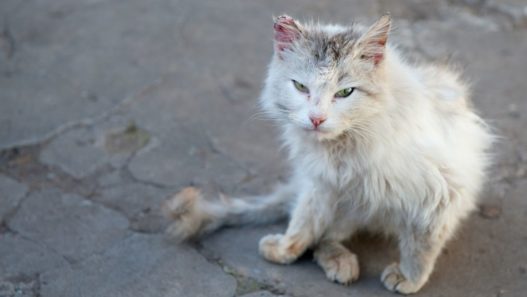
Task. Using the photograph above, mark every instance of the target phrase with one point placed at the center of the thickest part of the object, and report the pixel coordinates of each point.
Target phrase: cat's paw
(342, 267)
(183, 209)
(395, 281)
(279, 249)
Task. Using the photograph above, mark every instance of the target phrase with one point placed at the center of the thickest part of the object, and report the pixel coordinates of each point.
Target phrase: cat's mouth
(319, 133)
(317, 130)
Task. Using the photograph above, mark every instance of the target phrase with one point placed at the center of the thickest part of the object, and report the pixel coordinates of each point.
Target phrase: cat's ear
(286, 30)
(371, 46)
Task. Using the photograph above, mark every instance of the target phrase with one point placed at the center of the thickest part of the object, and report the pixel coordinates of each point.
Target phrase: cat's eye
(344, 93)
(300, 87)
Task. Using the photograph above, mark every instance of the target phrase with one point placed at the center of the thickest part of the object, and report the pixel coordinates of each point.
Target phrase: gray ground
(109, 106)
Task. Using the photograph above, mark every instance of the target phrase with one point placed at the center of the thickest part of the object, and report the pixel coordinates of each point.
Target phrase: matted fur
(404, 154)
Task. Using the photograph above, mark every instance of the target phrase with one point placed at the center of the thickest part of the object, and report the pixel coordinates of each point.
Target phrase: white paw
(274, 248)
(394, 280)
(342, 268)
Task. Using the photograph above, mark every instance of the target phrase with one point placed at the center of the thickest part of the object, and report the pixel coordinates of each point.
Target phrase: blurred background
(109, 106)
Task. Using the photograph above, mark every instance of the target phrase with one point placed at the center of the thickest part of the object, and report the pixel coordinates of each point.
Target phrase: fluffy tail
(193, 215)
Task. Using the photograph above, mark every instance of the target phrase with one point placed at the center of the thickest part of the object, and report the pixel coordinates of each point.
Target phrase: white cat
(375, 143)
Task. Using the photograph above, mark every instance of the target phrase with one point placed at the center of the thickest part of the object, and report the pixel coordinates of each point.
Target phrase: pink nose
(317, 120)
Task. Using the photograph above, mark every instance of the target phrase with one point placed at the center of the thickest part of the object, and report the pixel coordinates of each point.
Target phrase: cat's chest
(336, 169)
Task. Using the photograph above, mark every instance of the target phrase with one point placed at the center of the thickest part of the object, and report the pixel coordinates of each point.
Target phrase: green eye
(344, 93)
(300, 87)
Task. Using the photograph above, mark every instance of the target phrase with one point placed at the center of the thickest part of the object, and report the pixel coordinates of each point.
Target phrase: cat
(375, 143)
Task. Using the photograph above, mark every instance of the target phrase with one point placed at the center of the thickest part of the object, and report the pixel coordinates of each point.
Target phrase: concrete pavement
(109, 106)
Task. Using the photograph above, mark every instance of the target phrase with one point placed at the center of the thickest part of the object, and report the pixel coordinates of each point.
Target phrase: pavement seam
(88, 188)
(88, 121)
(242, 281)
(7, 41)
(44, 246)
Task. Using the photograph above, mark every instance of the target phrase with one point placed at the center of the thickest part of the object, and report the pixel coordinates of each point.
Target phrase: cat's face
(322, 78)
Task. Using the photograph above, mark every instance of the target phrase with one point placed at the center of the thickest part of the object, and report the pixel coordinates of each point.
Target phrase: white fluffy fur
(404, 155)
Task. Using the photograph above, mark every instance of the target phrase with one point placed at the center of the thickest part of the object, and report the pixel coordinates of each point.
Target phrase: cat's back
(445, 87)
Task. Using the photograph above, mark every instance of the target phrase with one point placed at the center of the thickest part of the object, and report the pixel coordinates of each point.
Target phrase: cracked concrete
(108, 107)
(68, 224)
(13, 192)
(141, 265)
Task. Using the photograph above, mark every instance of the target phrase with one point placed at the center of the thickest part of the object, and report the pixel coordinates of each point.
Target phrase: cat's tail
(193, 215)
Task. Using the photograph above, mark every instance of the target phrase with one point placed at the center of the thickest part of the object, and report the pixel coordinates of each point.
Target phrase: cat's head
(325, 80)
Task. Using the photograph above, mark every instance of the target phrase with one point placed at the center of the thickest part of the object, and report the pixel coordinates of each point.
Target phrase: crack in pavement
(89, 121)
(244, 284)
(7, 42)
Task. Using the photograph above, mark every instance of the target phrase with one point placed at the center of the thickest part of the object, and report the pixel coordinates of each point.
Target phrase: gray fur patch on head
(329, 49)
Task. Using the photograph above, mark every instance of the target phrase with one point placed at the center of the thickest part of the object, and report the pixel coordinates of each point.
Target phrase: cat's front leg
(309, 220)
(283, 248)
(419, 251)
(338, 262)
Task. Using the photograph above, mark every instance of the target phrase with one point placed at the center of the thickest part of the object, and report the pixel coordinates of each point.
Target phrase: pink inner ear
(285, 31)
(375, 50)
(377, 58)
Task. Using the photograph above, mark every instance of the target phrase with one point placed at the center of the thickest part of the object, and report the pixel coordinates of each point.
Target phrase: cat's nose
(317, 120)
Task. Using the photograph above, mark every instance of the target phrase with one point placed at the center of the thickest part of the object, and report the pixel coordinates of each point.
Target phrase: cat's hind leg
(337, 261)
(193, 215)
(419, 252)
